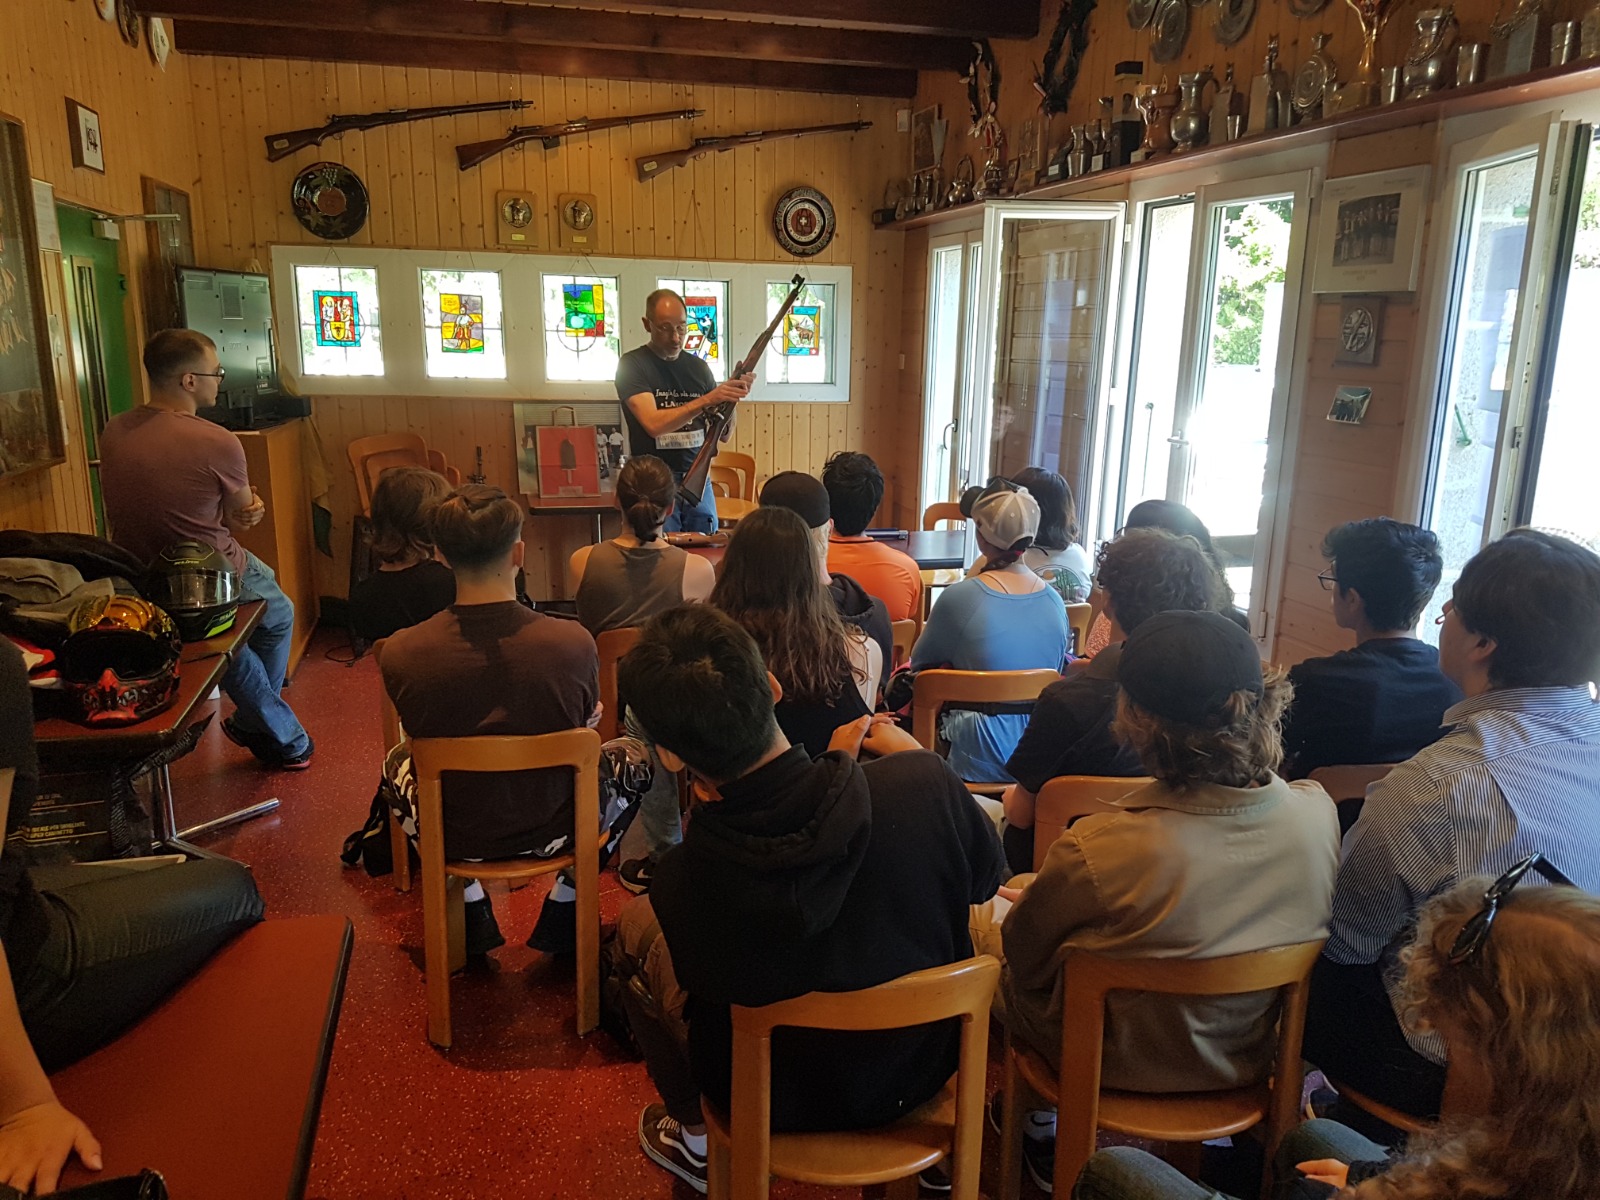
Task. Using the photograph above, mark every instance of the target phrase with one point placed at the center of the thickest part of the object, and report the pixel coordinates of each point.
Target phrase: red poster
(568, 463)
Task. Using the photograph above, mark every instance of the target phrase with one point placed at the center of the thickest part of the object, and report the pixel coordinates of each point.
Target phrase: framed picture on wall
(32, 435)
(924, 154)
(569, 454)
(83, 134)
(1369, 234)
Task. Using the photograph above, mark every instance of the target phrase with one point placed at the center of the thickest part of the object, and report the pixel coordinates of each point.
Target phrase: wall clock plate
(513, 217)
(330, 200)
(1307, 8)
(1140, 13)
(107, 9)
(577, 220)
(128, 21)
(1233, 18)
(1171, 30)
(1360, 330)
(803, 221)
(160, 42)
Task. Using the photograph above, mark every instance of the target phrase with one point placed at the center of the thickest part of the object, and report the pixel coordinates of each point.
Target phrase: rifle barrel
(652, 166)
(281, 145)
(473, 153)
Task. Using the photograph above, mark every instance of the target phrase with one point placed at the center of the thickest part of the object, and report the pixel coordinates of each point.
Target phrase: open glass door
(1050, 278)
(954, 282)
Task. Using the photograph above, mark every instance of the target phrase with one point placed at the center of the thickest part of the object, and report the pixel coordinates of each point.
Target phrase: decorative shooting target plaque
(330, 200)
(803, 221)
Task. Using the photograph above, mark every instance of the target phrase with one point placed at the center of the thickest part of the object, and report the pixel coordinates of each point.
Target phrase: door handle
(1177, 441)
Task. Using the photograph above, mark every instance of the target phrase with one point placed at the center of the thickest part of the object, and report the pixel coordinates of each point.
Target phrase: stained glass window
(341, 332)
(707, 303)
(580, 328)
(802, 350)
(463, 324)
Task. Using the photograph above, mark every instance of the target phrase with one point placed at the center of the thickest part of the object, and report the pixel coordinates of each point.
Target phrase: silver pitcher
(1430, 58)
(1190, 122)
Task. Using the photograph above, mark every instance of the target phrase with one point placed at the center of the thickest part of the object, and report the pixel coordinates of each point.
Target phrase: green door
(97, 305)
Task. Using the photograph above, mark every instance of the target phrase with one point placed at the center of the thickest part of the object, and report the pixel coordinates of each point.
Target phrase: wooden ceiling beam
(269, 41)
(538, 25)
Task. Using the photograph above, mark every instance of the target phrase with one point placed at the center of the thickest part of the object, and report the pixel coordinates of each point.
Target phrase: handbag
(146, 1185)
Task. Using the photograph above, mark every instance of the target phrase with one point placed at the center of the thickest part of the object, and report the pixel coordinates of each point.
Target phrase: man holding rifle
(665, 394)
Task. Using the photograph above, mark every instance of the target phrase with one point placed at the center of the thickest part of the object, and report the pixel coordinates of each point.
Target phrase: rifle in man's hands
(653, 165)
(718, 416)
(550, 136)
(281, 145)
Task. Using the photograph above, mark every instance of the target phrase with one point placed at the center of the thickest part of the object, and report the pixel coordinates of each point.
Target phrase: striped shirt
(1519, 771)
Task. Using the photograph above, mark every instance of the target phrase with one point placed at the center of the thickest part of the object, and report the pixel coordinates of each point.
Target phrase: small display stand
(568, 457)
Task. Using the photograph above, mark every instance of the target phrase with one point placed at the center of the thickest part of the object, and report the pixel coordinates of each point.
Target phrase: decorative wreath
(1056, 90)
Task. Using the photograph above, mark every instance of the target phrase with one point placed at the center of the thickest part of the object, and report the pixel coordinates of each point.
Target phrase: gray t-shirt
(627, 585)
(673, 384)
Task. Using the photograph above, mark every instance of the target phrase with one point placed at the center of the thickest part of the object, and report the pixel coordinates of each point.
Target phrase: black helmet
(197, 586)
(120, 663)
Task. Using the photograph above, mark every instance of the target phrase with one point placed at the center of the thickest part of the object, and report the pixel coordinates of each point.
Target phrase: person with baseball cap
(1005, 618)
(1217, 856)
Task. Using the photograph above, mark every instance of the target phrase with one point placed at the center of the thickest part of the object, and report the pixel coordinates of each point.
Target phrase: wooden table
(933, 550)
(65, 745)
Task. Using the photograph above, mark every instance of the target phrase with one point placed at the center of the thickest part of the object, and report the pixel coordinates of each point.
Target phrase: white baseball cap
(1006, 515)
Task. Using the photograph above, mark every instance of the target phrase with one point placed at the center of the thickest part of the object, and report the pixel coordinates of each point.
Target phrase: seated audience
(488, 665)
(1218, 856)
(1003, 619)
(855, 489)
(85, 951)
(1384, 700)
(1055, 555)
(828, 670)
(1142, 573)
(1518, 772)
(1515, 1003)
(1176, 518)
(801, 493)
(410, 584)
(797, 874)
(634, 576)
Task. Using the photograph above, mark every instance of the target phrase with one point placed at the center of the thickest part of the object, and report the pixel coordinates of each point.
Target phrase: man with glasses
(169, 476)
(665, 394)
(1517, 773)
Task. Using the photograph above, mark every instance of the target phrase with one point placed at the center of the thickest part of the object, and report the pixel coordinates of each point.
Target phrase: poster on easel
(569, 455)
(569, 465)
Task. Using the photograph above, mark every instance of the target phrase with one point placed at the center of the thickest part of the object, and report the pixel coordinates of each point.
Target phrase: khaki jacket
(1196, 874)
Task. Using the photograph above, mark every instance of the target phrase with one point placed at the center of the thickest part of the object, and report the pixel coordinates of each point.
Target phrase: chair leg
(587, 869)
(1186, 1156)
(456, 915)
(719, 1177)
(905, 1188)
(400, 851)
(1010, 1182)
(438, 947)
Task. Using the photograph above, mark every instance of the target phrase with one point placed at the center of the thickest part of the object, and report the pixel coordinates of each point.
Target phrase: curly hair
(1245, 749)
(1147, 571)
(1527, 1006)
(403, 508)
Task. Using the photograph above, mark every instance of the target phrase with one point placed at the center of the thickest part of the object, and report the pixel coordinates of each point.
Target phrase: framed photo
(32, 434)
(1350, 405)
(1369, 235)
(569, 455)
(924, 154)
(83, 133)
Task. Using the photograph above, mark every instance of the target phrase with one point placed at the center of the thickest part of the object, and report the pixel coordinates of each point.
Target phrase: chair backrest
(371, 456)
(936, 688)
(1088, 978)
(905, 636)
(437, 464)
(8, 777)
(731, 508)
(740, 464)
(1079, 618)
(725, 481)
(612, 645)
(1065, 798)
(1350, 781)
(393, 734)
(945, 510)
(962, 990)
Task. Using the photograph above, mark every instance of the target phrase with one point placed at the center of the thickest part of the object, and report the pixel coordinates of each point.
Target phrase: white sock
(696, 1142)
(563, 892)
(473, 892)
(1040, 1125)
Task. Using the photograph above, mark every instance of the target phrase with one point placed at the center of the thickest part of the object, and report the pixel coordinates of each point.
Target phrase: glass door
(1050, 278)
(954, 282)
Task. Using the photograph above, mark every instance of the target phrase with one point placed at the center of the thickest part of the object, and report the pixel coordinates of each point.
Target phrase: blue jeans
(254, 681)
(702, 518)
(1124, 1173)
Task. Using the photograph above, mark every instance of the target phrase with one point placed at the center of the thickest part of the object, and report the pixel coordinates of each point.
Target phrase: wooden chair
(945, 510)
(371, 456)
(744, 1153)
(725, 481)
(443, 911)
(393, 735)
(943, 577)
(1347, 786)
(1073, 1084)
(936, 688)
(1467, 1093)
(1065, 798)
(1079, 618)
(612, 645)
(740, 464)
(905, 636)
(731, 508)
(437, 464)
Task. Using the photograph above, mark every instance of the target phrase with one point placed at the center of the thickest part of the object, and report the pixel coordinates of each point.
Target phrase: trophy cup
(1362, 90)
(1155, 105)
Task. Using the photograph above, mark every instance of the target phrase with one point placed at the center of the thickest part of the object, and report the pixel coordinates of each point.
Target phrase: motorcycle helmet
(197, 586)
(120, 662)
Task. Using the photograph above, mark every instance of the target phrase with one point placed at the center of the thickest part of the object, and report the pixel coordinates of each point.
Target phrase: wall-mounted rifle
(281, 145)
(693, 486)
(654, 164)
(550, 136)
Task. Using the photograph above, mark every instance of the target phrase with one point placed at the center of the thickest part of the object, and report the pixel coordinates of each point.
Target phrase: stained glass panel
(584, 306)
(706, 301)
(580, 328)
(338, 319)
(461, 323)
(800, 331)
(802, 351)
(337, 311)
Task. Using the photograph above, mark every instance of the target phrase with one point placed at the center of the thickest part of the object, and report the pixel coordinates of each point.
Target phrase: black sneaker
(636, 874)
(557, 929)
(300, 761)
(256, 743)
(483, 931)
(661, 1139)
(935, 1178)
(1038, 1154)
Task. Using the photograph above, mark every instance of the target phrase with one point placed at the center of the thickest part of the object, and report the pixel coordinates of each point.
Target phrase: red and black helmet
(120, 662)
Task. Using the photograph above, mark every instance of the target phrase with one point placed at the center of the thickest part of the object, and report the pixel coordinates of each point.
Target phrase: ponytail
(645, 492)
(1001, 559)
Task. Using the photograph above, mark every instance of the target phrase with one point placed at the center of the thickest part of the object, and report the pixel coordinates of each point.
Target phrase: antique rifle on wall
(718, 416)
(550, 136)
(652, 166)
(281, 145)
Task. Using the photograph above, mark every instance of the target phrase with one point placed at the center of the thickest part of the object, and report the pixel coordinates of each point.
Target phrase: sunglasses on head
(1474, 934)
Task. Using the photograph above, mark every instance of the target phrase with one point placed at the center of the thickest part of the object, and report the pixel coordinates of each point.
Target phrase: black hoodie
(866, 613)
(826, 876)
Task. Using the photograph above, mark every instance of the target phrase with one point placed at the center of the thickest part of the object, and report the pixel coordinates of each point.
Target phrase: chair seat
(508, 868)
(987, 789)
(858, 1157)
(1406, 1122)
(942, 577)
(1164, 1116)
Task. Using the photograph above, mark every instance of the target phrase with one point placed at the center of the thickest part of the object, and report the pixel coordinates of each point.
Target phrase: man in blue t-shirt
(665, 394)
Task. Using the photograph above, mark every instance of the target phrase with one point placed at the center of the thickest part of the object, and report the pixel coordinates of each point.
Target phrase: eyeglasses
(1474, 934)
(1328, 580)
(680, 330)
(219, 374)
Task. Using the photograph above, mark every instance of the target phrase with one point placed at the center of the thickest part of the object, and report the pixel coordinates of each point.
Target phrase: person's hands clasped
(885, 737)
(848, 738)
(250, 516)
(1326, 1170)
(36, 1142)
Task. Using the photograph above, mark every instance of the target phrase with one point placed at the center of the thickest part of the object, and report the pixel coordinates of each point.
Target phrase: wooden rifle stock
(281, 145)
(694, 479)
(473, 153)
(652, 165)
